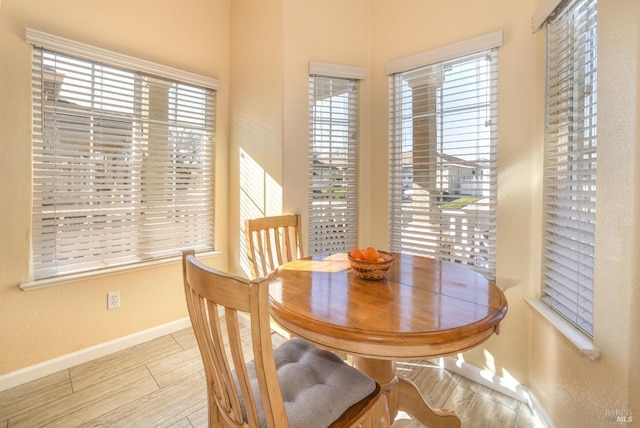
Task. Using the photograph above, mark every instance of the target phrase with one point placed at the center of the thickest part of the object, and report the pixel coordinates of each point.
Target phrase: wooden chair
(295, 385)
(273, 241)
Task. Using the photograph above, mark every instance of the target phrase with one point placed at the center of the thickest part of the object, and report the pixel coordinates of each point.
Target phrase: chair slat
(286, 241)
(230, 396)
(277, 233)
(210, 349)
(235, 346)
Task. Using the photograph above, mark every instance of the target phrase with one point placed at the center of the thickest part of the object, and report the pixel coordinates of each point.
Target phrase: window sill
(75, 277)
(579, 340)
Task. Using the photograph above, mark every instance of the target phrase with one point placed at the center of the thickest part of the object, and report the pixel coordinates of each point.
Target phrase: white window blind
(570, 162)
(333, 150)
(443, 159)
(123, 165)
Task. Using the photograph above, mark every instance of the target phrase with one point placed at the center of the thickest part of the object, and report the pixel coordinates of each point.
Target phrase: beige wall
(409, 27)
(316, 32)
(369, 34)
(38, 325)
(574, 390)
(256, 117)
(262, 55)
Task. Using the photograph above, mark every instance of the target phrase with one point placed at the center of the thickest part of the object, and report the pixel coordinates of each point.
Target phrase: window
(570, 162)
(333, 151)
(123, 162)
(443, 159)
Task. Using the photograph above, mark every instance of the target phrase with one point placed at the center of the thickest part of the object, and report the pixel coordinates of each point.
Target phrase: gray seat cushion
(317, 386)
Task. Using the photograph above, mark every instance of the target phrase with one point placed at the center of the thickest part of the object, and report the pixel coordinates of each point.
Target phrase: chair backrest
(215, 300)
(273, 241)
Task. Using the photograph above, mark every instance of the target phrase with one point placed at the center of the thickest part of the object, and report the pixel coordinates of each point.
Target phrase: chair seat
(317, 386)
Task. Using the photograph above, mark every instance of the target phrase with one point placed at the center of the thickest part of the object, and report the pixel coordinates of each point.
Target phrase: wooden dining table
(422, 309)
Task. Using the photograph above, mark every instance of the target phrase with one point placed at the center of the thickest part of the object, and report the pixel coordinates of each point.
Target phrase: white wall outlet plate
(113, 299)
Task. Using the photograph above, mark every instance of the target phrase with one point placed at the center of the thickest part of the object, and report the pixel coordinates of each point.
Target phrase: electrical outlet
(113, 299)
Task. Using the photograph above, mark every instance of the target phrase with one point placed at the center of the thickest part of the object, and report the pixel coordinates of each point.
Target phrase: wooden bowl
(372, 270)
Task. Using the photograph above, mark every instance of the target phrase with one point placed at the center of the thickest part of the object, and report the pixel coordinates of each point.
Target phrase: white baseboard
(505, 386)
(64, 362)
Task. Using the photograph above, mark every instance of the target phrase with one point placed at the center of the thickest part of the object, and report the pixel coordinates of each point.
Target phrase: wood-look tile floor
(161, 383)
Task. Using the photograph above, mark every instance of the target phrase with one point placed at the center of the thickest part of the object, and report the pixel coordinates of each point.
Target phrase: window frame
(64, 48)
(569, 210)
(335, 194)
(451, 53)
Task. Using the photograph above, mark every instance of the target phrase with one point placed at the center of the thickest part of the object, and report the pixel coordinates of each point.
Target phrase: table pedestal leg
(411, 401)
(404, 395)
(383, 372)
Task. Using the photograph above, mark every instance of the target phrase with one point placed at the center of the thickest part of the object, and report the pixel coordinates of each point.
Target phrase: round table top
(422, 308)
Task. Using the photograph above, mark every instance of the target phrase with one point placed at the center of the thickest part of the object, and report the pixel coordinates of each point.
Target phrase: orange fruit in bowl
(371, 254)
(357, 253)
